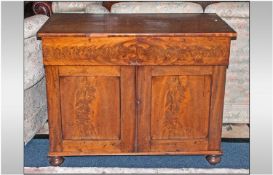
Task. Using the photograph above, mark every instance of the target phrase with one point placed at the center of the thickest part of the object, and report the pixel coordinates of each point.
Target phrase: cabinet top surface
(172, 24)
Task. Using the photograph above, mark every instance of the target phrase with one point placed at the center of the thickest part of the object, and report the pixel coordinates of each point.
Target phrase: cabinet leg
(56, 160)
(213, 159)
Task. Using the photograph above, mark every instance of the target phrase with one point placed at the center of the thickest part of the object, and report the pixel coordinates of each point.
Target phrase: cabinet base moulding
(136, 153)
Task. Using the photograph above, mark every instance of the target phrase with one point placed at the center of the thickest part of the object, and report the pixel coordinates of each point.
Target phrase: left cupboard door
(91, 109)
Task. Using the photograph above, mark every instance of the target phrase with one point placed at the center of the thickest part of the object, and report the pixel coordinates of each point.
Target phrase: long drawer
(136, 50)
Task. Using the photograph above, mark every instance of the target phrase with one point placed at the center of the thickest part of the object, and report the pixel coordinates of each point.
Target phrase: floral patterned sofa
(156, 7)
(78, 7)
(35, 107)
(236, 14)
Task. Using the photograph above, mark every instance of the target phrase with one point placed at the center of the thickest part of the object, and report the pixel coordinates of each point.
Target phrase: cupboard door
(174, 108)
(97, 106)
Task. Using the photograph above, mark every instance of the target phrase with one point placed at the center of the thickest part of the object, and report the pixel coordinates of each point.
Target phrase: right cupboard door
(174, 109)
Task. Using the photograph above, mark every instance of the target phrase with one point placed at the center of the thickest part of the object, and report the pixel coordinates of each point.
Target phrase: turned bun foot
(56, 160)
(213, 159)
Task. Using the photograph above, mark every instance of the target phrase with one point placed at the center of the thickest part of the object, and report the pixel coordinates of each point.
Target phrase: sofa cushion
(92, 8)
(33, 24)
(156, 7)
(229, 9)
(71, 7)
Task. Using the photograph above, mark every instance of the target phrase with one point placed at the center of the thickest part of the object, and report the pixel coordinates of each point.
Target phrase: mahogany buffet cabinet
(135, 84)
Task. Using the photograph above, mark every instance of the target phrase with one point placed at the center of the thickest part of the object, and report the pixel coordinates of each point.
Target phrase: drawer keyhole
(138, 101)
(134, 62)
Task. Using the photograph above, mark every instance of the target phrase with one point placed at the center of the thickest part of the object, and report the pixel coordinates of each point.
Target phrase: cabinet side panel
(216, 109)
(54, 113)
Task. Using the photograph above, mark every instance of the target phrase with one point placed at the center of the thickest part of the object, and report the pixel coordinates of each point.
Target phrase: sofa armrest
(33, 24)
(229, 9)
(43, 8)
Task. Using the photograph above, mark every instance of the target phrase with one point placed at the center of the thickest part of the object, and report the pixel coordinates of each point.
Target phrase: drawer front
(136, 51)
(88, 51)
(183, 51)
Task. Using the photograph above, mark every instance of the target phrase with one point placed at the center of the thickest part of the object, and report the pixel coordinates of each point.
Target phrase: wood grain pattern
(217, 103)
(90, 146)
(54, 108)
(88, 51)
(183, 50)
(87, 71)
(144, 82)
(182, 70)
(97, 108)
(167, 112)
(170, 24)
(179, 145)
(136, 51)
(92, 105)
(180, 107)
(128, 107)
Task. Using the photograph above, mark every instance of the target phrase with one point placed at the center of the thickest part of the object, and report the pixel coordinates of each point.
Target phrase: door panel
(97, 108)
(180, 107)
(174, 108)
(92, 105)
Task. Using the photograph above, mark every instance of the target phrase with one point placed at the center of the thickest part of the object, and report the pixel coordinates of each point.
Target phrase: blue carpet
(236, 155)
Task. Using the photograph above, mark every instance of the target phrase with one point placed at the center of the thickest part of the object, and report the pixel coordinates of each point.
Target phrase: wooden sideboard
(135, 84)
